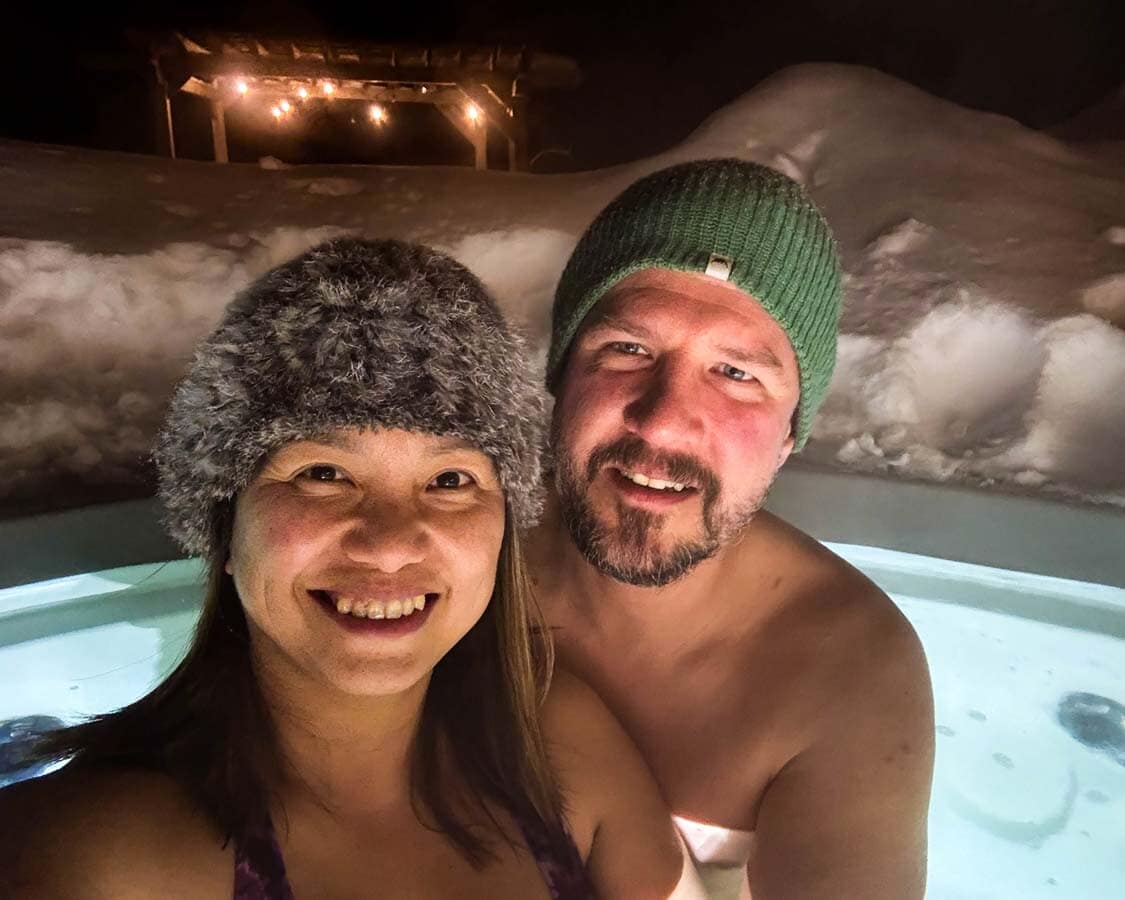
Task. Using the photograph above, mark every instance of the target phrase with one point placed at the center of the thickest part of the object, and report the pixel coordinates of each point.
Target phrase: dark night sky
(652, 72)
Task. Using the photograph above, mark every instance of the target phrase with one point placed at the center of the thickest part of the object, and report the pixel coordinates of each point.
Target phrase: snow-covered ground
(983, 338)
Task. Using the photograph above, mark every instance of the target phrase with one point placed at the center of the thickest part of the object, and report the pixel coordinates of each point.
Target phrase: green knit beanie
(739, 221)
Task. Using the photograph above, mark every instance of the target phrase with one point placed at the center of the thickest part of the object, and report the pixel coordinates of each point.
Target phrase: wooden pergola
(477, 88)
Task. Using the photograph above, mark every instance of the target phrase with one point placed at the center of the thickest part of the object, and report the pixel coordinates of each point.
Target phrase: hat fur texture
(351, 334)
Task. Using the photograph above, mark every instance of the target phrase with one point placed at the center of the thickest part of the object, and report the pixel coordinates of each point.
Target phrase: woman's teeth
(654, 483)
(380, 609)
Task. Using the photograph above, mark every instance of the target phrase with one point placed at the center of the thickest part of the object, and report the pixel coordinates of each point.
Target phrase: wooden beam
(200, 88)
(208, 68)
(277, 88)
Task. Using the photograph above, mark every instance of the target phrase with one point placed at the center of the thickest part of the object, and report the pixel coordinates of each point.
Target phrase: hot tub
(1028, 666)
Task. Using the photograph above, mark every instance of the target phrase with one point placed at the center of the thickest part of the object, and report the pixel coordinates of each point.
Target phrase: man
(781, 699)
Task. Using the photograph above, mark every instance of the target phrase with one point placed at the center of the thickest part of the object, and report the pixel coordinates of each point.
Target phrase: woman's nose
(386, 536)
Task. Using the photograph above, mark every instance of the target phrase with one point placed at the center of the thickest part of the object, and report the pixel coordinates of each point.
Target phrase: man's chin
(647, 569)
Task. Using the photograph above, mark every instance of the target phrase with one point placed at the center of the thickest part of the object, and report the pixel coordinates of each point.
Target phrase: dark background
(652, 72)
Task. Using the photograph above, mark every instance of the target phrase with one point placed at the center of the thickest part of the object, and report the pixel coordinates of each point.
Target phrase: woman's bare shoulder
(121, 833)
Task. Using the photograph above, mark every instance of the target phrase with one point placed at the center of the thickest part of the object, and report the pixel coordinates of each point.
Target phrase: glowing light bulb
(303, 93)
(285, 106)
(425, 89)
(377, 113)
(329, 88)
(242, 87)
(473, 113)
(276, 112)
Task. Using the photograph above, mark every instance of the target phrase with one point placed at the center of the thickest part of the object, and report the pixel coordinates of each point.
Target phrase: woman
(364, 711)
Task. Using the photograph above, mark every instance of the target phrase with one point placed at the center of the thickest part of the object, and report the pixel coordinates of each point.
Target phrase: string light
(277, 113)
(303, 92)
(472, 112)
(329, 88)
(242, 87)
(285, 106)
(378, 114)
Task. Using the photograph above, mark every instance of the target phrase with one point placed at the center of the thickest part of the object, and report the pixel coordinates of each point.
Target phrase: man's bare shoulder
(125, 834)
(862, 638)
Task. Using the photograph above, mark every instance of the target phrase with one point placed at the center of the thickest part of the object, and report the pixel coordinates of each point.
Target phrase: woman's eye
(321, 473)
(734, 374)
(451, 480)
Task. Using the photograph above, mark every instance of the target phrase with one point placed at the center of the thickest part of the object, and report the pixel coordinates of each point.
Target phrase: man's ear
(786, 447)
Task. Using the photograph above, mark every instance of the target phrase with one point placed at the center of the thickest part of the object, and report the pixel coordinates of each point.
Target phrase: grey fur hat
(350, 334)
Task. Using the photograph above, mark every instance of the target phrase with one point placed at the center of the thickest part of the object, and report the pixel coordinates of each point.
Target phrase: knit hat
(736, 220)
(350, 334)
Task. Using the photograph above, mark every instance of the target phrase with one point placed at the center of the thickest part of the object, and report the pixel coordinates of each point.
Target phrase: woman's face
(335, 539)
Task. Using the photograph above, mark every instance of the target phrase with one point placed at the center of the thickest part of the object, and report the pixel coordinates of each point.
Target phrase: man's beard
(628, 553)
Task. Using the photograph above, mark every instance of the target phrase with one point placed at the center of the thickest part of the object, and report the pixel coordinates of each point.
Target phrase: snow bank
(985, 281)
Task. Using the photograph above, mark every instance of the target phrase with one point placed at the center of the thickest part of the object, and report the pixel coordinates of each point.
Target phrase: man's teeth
(379, 609)
(655, 483)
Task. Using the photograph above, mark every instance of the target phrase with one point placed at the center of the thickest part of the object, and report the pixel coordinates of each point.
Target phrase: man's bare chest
(712, 732)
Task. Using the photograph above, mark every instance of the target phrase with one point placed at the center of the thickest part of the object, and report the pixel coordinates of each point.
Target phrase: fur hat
(350, 334)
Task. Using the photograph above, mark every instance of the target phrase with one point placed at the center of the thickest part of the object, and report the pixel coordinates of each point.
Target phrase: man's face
(673, 415)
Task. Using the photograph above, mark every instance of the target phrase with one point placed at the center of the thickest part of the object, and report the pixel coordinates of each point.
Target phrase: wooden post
(517, 137)
(162, 107)
(219, 131)
(477, 135)
(480, 146)
(171, 127)
(506, 116)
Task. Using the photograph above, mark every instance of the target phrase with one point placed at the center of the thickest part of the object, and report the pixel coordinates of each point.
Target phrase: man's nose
(667, 410)
(386, 536)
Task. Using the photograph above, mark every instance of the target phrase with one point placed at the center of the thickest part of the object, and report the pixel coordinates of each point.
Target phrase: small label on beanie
(719, 267)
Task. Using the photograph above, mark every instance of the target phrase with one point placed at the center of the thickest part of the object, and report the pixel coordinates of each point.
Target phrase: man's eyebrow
(617, 323)
(760, 356)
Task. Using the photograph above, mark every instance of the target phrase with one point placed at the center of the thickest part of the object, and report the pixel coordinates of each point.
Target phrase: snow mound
(906, 236)
(331, 187)
(981, 391)
(520, 267)
(183, 210)
(1077, 426)
(1115, 234)
(1106, 298)
(91, 345)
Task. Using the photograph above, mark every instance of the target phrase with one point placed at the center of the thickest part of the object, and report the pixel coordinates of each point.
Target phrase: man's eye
(451, 480)
(628, 347)
(734, 374)
(321, 473)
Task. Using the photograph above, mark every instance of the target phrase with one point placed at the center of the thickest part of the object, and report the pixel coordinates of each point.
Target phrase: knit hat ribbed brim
(742, 220)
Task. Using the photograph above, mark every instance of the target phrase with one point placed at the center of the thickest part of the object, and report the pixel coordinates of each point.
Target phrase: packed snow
(981, 340)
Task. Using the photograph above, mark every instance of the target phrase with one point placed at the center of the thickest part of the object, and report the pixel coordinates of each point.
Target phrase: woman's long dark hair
(479, 746)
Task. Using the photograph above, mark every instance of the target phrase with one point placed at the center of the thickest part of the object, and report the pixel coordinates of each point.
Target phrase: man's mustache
(632, 452)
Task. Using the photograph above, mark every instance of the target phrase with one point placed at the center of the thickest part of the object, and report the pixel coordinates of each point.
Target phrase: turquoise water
(1021, 808)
